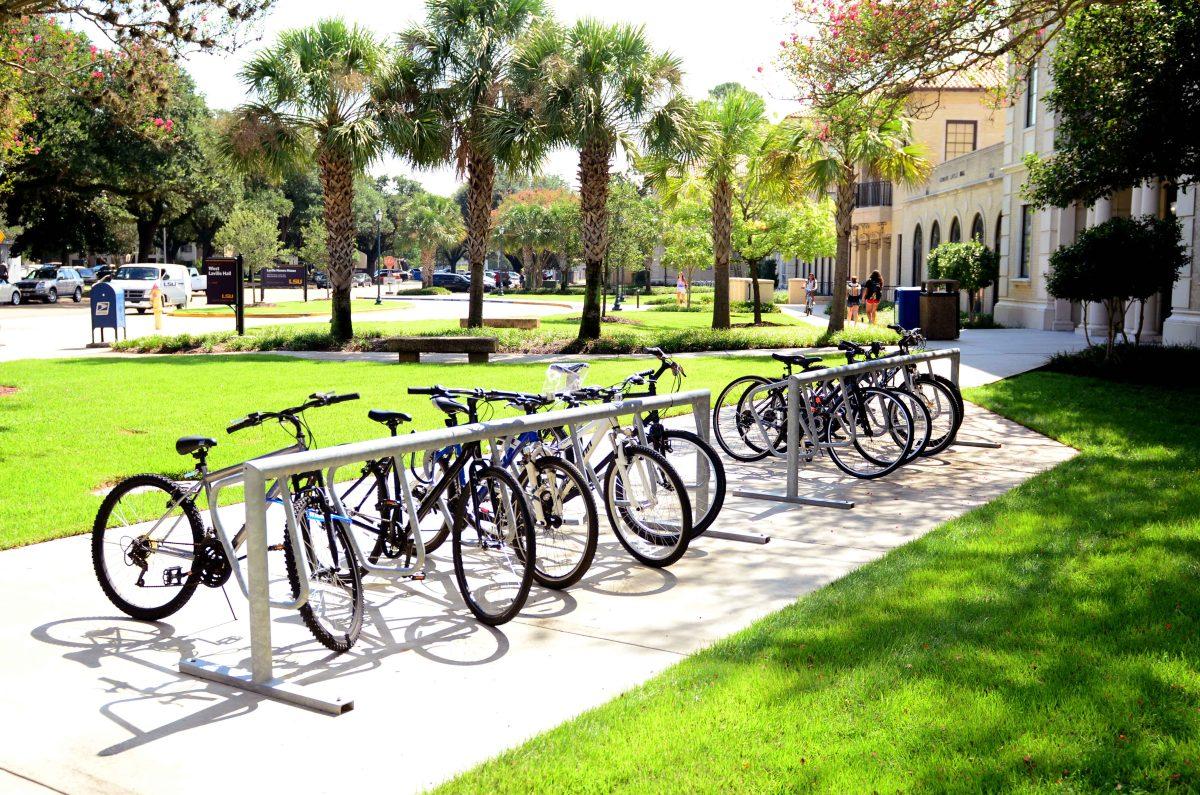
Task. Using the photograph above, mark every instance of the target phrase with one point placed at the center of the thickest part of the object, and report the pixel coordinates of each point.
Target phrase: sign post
(225, 286)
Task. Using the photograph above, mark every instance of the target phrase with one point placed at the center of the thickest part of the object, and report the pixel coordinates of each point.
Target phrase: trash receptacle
(939, 309)
(908, 309)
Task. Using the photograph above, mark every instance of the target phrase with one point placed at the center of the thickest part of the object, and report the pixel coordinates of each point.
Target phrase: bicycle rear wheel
(334, 610)
(144, 547)
(494, 546)
(688, 454)
(858, 439)
(737, 414)
(647, 506)
(944, 403)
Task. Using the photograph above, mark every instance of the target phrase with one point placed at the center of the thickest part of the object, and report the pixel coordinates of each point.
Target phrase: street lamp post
(378, 253)
(502, 275)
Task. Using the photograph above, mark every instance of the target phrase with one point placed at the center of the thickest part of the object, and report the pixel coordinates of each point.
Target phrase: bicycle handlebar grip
(424, 390)
(245, 422)
(656, 352)
(343, 398)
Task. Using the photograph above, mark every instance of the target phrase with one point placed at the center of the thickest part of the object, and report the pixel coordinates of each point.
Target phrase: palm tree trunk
(428, 260)
(481, 177)
(722, 226)
(593, 232)
(844, 211)
(337, 187)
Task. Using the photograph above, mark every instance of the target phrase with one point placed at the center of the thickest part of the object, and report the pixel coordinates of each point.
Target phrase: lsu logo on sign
(102, 307)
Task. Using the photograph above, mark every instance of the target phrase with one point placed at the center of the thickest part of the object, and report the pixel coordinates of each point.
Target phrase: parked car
(454, 282)
(87, 274)
(48, 282)
(320, 279)
(199, 280)
(137, 280)
(361, 279)
(415, 275)
(104, 272)
(9, 294)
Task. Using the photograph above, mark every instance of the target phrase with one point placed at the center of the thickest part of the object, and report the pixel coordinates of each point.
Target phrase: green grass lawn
(316, 307)
(629, 332)
(1044, 642)
(77, 425)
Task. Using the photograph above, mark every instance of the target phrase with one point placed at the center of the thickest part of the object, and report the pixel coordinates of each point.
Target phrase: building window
(1031, 96)
(1026, 241)
(918, 260)
(935, 236)
(977, 228)
(999, 228)
(960, 138)
(955, 231)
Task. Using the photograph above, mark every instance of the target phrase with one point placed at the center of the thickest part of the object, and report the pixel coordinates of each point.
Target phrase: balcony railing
(873, 194)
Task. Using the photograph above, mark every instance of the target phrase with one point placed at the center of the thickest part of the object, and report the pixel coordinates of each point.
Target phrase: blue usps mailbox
(108, 310)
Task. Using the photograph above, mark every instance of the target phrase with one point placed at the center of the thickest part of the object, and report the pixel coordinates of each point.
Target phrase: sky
(717, 43)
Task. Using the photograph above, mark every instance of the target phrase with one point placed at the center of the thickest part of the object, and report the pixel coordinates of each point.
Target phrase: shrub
(429, 291)
(973, 265)
(1166, 366)
(746, 307)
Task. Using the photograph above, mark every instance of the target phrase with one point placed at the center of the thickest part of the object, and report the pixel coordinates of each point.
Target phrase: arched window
(935, 236)
(955, 231)
(977, 229)
(918, 256)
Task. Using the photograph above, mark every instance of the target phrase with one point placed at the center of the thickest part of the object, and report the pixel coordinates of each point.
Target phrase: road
(45, 331)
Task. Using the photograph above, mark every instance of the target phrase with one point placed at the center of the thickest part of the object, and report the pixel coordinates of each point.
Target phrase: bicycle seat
(186, 445)
(450, 406)
(389, 418)
(797, 359)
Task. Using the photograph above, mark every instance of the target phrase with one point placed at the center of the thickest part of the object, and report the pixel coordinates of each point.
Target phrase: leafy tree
(687, 237)
(634, 225)
(429, 222)
(973, 265)
(314, 247)
(1096, 268)
(1126, 89)
(252, 230)
(445, 90)
(313, 90)
(802, 229)
(827, 150)
(599, 88)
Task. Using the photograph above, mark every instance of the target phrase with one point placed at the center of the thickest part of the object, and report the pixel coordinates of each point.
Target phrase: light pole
(378, 253)
(501, 275)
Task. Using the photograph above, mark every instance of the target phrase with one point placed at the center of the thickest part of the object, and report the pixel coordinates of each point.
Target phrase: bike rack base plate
(729, 535)
(817, 502)
(277, 689)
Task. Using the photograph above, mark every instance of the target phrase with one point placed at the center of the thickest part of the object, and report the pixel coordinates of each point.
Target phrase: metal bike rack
(259, 473)
(798, 382)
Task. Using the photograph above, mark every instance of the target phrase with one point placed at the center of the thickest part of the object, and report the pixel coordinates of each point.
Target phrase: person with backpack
(853, 297)
(873, 294)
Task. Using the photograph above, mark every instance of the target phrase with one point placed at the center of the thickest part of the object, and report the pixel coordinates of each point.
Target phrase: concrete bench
(410, 349)
(526, 323)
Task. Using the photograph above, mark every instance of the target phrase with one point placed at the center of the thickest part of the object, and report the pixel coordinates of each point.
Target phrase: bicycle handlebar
(315, 400)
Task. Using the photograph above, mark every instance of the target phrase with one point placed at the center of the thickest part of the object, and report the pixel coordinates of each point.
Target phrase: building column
(1145, 202)
(1183, 325)
(1097, 315)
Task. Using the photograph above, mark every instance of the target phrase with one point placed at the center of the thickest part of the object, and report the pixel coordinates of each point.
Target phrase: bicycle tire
(542, 505)
(740, 424)
(944, 429)
(716, 494)
(673, 545)
(100, 528)
(832, 446)
(335, 640)
(922, 422)
(525, 548)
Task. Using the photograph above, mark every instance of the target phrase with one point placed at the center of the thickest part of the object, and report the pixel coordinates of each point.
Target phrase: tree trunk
(1137, 336)
(1087, 339)
(147, 231)
(844, 211)
(337, 188)
(529, 265)
(593, 231)
(722, 230)
(428, 260)
(754, 290)
(481, 178)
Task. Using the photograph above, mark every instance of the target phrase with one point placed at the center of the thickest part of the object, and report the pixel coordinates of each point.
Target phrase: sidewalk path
(95, 704)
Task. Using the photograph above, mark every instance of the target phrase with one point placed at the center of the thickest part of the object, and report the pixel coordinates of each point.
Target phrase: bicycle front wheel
(647, 506)
(746, 424)
(861, 439)
(334, 610)
(144, 547)
(494, 546)
(564, 519)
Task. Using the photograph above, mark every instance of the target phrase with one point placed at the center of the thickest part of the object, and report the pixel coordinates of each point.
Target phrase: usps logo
(102, 307)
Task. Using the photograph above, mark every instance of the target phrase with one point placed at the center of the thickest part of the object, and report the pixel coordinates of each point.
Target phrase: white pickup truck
(199, 280)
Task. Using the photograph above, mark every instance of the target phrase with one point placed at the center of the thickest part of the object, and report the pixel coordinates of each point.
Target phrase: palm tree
(445, 92)
(599, 87)
(826, 151)
(731, 124)
(431, 222)
(313, 103)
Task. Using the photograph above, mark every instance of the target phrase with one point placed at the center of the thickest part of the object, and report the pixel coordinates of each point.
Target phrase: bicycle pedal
(275, 548)
(419, 576)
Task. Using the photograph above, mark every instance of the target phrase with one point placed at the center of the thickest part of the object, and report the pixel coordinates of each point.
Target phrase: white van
(174, 283)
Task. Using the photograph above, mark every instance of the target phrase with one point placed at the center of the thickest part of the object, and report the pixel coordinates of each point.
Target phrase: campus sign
(224, 280)
(283, 276)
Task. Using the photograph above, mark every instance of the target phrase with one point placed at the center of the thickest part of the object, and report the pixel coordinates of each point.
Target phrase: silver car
(49, 282)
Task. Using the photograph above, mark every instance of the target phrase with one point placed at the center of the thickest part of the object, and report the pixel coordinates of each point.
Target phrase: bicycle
(127, 539)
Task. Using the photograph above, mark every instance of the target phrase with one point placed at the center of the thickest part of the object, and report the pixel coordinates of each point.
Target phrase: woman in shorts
(872, 293)
(853, 297)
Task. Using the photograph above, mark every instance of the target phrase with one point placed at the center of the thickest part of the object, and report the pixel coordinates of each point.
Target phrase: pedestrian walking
(873, 294)
(853, 298)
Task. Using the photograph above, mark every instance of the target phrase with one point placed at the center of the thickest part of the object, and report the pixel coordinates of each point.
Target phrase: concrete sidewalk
(95, 704)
